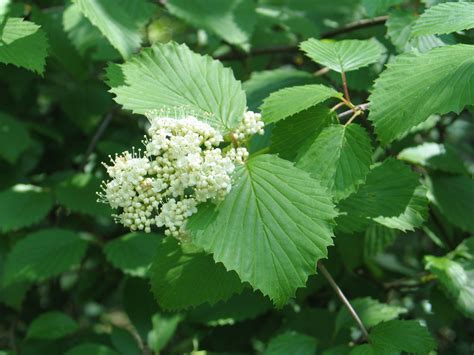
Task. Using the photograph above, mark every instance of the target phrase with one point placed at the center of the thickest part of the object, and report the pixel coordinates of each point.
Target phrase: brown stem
(290, 49)
(343, 299)
(344, 84)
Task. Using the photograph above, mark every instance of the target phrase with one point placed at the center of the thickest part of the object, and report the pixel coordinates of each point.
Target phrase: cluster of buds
(182, 166)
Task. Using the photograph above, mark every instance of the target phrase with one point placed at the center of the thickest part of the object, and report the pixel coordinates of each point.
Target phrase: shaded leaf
(133, 252)
(22, 206)
(44, 254)
(14, 138)
(52, 325)
(174, 273)
(232, 20)
(291, 343)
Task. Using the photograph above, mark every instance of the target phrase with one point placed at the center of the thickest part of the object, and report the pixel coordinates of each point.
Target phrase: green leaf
(79, 193)
(86, 38)
(14, 138)
(133, 253)
(402, 335)
(174, 273)
(232, 20)
(51, 325)
(171, 76)
(4, 8)
(164, 327)
(339, 158)
(435, 156)
(457, 281)
(272, 227)
(414, 215)
(22, 206)
(231, 311)
(345, 55)
(289, 101)
(370, 311)
(139, 304)
(23, 44)
(44, 254)
(454, 195)
(376, 7)
(292, 136)
(291, 343)
(399, 27)
(376, 239)
(261, 84)
(400, 100)
(89, 348)
(124, 342)
(445, 18)
(388, 189)
(119, 21)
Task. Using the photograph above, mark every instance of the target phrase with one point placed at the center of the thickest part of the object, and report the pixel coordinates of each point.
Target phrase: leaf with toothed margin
(339, 158)
(171, 76)
(289, 101)
(415, 86)
(272, 228)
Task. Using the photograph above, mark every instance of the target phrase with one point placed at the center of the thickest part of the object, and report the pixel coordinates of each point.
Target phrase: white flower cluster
(250, 125)
(181, 167)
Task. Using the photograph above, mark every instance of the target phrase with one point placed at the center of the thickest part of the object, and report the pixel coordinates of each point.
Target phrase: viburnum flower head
(183, 165)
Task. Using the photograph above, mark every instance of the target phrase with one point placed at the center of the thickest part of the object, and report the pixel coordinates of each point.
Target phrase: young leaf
(79, 193)
(414, 215)
(435, 156)
(14, 138)
(272, 227)
(22, 206)
(232, 20)
(289, 101)
(261, 84)
(402, 335)
(445, 18)
(454, 195)
(339, 158)
(171, 76)
(345, 55)
(291, 343)
(292, 136)
(51, 325)
(457, 280)
(164, 327)
(44, 254)
(23, 44)
(174, 273)
(400, 99)
(133, 252)
(370, 311)
(119, 21)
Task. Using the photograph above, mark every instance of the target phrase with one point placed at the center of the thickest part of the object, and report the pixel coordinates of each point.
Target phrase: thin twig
(349, 121)
(361, 107)
(343, 298)
(95, 139)
(322, 71)
(290, 49)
